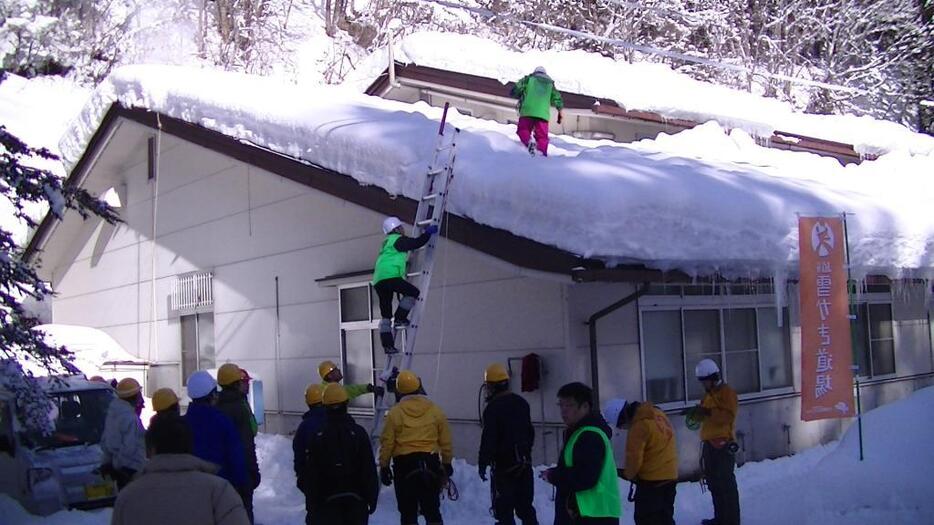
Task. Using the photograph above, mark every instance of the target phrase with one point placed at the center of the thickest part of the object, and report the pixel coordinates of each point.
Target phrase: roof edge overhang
(502, 244)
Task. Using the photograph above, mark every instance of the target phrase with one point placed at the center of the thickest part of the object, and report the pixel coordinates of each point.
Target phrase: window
(361, 351)
(747, 341)
(874, 339)
(197, 343)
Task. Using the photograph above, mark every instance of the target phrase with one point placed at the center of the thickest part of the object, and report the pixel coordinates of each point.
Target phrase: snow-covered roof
(702, 201)
(646, 86)
(93, 349)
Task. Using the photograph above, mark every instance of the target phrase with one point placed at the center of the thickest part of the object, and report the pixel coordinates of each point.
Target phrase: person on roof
(389, 278)
(717, 414)
(506, 446)
(537, 94)
(232, 403)
(416, 432)
(651, 458)
(123, 441)
(175, 487)
(331, 373)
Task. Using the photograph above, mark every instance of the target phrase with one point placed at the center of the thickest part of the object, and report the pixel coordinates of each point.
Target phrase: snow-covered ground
(825, 485)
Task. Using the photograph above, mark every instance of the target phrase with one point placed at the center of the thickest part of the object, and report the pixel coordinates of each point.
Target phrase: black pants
(512, 494)
(246, 494)
(655, 503)
(387, 288)
(417, 481)
(344, 511)
(719, 464)
(123, 476)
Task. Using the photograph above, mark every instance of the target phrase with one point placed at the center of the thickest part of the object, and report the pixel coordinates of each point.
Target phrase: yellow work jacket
(415, 424)
(651, 451)
(721, 422)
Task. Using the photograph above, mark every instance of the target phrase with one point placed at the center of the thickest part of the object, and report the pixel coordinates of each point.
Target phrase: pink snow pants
(528, 125)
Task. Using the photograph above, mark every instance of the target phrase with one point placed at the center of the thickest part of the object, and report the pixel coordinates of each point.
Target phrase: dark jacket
(408, 244)
(508, 434)
(312, 422)
(233, 404)
(216, 440)
(341, 465)
(588, 462)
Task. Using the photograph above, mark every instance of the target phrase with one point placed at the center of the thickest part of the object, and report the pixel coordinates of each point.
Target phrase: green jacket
(353, 391)
(536, 94)
(391, 262)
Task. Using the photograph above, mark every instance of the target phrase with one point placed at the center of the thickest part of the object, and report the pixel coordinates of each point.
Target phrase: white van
(49, 473)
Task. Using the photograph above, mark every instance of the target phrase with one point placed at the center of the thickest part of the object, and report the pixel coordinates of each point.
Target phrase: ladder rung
(414, 274)
(435, 173)
(430, 196)
(425, 222)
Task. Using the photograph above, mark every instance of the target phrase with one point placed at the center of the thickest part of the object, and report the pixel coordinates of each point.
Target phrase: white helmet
(390, 224)
(611, 410)
(540, 70)
(706, 368)
(200, 384)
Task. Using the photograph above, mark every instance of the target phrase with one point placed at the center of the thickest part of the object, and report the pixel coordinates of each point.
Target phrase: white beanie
(611, 410)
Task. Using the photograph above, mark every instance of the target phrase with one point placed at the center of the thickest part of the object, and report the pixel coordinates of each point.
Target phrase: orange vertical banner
(826, 351)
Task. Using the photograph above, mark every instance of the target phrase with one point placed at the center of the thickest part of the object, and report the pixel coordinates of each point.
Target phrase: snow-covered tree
(23, 349)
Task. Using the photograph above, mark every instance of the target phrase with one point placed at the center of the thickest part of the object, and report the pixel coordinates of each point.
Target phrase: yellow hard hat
(334, 394)
(407, 382)
(163, 399)
(325, 368)
(127, 388)
(495, 373)
(228, 374)
(313, 394)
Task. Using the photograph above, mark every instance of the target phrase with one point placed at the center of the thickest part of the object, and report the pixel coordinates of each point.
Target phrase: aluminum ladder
(431, 206)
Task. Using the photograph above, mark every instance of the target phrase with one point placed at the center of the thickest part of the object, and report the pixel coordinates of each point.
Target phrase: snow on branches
(22, 349)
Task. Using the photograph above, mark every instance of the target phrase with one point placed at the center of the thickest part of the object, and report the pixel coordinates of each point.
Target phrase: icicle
(779, 289)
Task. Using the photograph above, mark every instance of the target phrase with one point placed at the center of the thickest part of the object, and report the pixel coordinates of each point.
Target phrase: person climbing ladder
(389, 278)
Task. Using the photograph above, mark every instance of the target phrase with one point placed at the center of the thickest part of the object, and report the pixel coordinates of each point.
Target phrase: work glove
(482, 470)
(385, 475)
(448, 470)
(431, 229)
(560, 116)
(378, 390)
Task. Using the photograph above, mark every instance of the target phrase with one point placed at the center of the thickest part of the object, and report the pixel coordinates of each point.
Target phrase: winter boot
(531, 148)
(402, 313)
(386, 337)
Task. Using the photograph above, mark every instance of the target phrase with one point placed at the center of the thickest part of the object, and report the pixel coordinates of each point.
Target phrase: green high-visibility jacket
(391, 262)
(536, 94)
(353, 391)
(602, 500)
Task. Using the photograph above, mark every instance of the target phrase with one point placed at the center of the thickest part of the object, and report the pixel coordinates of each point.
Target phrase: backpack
(335, 463)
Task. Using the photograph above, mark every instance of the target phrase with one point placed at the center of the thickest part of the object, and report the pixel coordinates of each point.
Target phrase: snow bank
(647, 86)
(701, 201)
(91, 347)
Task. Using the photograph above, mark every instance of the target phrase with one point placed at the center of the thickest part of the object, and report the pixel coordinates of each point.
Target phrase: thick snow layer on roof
(700, 201)
(651, 87)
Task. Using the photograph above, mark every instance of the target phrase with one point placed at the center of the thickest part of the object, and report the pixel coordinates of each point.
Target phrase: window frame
(721, 304)
(876, 298)
(356, 326)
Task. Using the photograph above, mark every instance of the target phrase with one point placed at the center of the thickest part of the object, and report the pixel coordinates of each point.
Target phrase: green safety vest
(391, 262)
(602, 500)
